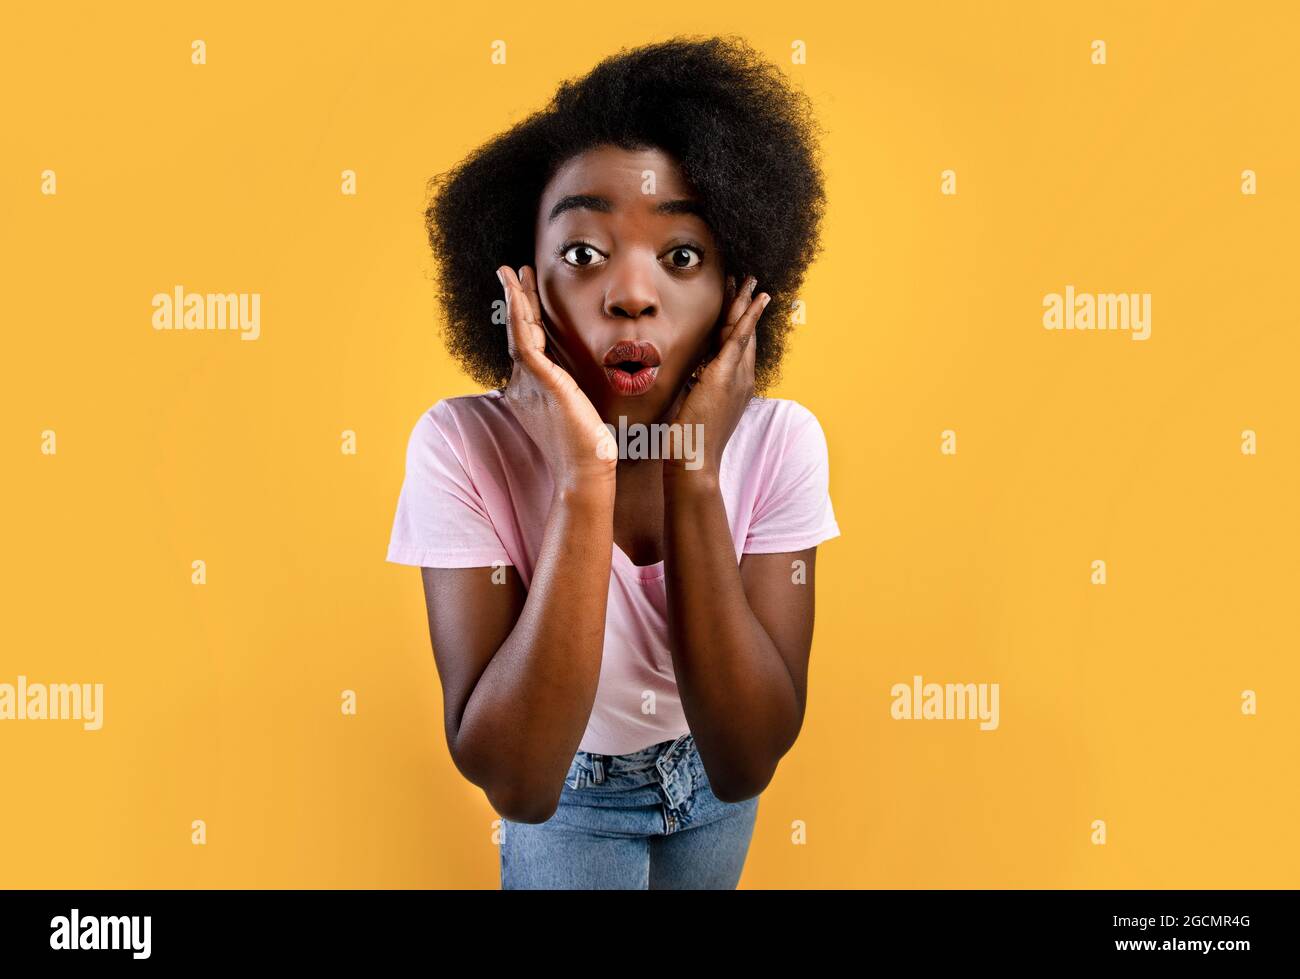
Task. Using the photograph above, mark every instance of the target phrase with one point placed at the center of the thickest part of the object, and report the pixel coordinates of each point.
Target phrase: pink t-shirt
(477, 492)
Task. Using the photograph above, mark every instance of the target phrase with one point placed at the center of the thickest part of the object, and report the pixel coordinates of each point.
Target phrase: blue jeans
(641, 821)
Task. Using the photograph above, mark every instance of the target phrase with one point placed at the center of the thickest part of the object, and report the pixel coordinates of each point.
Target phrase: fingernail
(501, 278)
(766, 299)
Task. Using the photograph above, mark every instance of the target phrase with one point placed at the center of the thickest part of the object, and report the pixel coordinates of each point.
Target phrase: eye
(588, 255)
(680, 257)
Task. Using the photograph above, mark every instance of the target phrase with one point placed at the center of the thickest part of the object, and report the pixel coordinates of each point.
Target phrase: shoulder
(777, 437)
(464, 414)
(779, 421)
(462, 409)
(467, 426)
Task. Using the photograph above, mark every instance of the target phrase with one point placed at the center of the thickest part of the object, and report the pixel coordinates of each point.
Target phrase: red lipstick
(631, 366)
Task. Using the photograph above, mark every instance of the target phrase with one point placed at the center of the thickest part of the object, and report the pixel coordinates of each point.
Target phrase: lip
(632, 383)
(642, 350)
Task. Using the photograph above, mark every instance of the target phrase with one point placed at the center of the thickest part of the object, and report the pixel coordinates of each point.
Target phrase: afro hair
(743, 137)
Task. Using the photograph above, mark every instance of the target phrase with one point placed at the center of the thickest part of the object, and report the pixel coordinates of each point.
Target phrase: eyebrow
(594, 202)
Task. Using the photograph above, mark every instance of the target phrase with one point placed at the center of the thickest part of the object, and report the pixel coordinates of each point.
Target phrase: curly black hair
(745, 141)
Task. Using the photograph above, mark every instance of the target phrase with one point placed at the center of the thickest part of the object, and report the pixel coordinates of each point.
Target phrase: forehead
(620, 177)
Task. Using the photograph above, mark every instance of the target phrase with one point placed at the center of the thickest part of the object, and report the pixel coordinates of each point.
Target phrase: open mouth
(631, 366)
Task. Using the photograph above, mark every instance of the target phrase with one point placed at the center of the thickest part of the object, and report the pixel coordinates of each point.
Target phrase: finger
(550, 345)
(528, 282)
(728, 297)
(724, 317)
(733, 307)
(524, 337)
(538, 352)
(739, 342)
(739, 303)
(512, 339)
(751, 346)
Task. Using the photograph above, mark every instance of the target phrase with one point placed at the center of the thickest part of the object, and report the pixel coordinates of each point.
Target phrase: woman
(623, 636)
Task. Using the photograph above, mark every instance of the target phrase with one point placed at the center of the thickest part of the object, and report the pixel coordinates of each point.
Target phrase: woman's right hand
(547, 401)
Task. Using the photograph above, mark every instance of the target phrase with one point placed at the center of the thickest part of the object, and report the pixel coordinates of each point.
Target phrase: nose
(631, 292)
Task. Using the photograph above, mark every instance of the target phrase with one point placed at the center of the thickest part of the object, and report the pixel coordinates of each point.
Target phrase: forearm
(736, 690)
(526, 716)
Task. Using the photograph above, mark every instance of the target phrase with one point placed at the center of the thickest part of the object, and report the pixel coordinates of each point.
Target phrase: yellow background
(1118, 702)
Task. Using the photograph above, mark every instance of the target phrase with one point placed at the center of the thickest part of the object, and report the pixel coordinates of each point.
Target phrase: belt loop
(598, 768)
(670, 757)
(676, 749)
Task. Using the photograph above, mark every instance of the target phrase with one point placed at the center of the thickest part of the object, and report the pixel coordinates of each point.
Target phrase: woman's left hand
(726, 384)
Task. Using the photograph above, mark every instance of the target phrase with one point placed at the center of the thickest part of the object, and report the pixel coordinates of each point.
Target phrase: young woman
(623, 637)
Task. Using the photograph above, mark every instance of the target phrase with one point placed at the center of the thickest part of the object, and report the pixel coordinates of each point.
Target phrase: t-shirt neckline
(644, 572)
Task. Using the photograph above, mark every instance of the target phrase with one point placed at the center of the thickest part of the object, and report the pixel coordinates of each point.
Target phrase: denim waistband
(670, 774)
(665, 756)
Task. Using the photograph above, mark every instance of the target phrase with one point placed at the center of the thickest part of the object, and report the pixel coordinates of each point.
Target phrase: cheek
(702, 304)
(560, 309)
(557, 300)
(705, 345)
(701, 314)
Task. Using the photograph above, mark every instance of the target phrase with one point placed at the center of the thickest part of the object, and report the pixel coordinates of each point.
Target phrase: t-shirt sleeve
(441, 520)
(794, 510)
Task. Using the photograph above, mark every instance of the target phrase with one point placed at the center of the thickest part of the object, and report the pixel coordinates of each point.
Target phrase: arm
(741, 638)
(740, 635)
(519, 669)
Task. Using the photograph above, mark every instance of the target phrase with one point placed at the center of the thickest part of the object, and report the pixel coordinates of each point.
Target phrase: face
(630, 278)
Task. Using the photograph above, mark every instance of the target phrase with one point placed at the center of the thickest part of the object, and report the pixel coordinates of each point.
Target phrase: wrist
(680, 480)
(595, 491)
